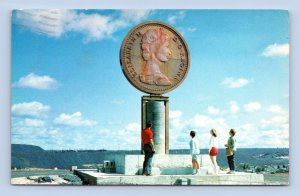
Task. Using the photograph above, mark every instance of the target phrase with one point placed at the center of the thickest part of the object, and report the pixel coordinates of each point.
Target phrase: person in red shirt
(148, 147)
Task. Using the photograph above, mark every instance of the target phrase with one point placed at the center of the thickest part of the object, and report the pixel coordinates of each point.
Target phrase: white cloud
(134, 15)
(247, 135)
(94, 27)
(191, 29)
(276, 50)
(202, 125)
(35, 109)
(175, 114)
(275, 122)
(97, 27)
(213, 110)
(177, 16)
(252, 106)
(53, 132)
(45, 137)
(275, 131)
(73, 120)
(251, 134)
(235, 82)
(269, 133)
(133, 127)
(32, 123)
(275, 138)
(276, 109)
(176, 130)
(46, 22)
(234, 108)
(247, 127)
(175, 120)
(37, 82)
(200, 121)
(126, 138)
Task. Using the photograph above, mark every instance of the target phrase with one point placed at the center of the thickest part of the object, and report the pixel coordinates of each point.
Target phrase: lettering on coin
(154, 57)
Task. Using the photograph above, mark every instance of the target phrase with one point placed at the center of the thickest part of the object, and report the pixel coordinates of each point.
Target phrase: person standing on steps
(195, 151)
(230, 151)
(213, 150)
(148, 148)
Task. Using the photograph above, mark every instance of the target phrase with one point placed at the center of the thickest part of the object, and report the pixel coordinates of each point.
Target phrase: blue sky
(68, 90)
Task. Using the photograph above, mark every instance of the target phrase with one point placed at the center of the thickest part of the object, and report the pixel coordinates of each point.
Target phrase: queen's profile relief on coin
(154, 57)
(155, 49)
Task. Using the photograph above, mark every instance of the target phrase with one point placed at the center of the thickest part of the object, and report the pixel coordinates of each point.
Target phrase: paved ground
(24, 181)
(30, 177)
(19, 177)
(277, 179)
(38, 172)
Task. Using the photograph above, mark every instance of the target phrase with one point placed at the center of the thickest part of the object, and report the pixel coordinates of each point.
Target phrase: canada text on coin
(154, 57)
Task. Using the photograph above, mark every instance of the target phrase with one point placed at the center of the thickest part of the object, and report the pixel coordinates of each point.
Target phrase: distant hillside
(33, 156)
(23, 156)
(253, 156)
(24, 148)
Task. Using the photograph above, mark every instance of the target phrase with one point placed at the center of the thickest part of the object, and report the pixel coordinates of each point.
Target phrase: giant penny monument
(155, 59)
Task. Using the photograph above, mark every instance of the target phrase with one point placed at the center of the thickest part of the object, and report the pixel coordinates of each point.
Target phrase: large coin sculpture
(154, 58)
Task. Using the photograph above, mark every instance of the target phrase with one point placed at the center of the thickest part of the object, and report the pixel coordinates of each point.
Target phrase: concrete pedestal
(167, 170)
(156, 110)
(162, 164)
(156, 115)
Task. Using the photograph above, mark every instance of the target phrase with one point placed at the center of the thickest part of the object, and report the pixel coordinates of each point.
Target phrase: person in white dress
(213, 149)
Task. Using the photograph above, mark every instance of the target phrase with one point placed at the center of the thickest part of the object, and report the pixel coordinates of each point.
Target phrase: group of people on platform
(213, 151)
(149, 150)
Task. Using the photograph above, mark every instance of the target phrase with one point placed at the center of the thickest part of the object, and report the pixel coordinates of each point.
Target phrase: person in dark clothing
(148, 148)
(230, 151)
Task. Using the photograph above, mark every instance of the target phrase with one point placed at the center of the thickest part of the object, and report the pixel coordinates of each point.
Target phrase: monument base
(92, 177)
(161, 165)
